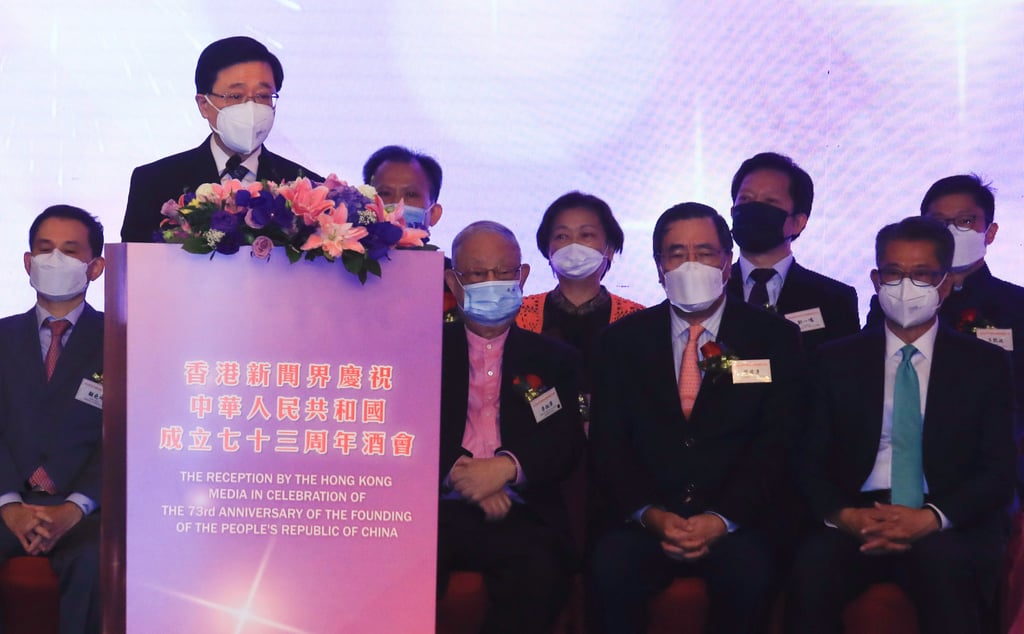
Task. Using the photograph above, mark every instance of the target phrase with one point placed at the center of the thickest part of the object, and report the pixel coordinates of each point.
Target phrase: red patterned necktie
(689, 373)
(40, 479)
(57, 327)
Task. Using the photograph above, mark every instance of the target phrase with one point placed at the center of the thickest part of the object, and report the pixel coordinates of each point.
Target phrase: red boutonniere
(717, 359)
(528, 385)
(970, 320)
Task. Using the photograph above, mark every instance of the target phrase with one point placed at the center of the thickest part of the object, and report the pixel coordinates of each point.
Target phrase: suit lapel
(80, 345)
(28, 353)
(792, 292)
(456, 381)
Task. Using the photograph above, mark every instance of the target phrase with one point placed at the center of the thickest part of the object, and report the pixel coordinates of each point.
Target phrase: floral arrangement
(529, 386)
(332, 220)
(970, 320)
(717, 360)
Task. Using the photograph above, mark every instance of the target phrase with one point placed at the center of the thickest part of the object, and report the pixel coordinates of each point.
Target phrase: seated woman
(578, 235)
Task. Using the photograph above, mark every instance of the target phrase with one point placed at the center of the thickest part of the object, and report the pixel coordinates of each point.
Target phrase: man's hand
(700, 532)
(21, 520)
(54, 523)
(479, 478)
(496, 506)
(900, 525)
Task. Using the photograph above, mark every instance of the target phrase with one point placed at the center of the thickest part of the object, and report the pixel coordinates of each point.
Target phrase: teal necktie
(907, 478)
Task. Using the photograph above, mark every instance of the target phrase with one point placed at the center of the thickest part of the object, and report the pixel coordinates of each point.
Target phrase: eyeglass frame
(236, 99)
(882, 273)
(485, 275)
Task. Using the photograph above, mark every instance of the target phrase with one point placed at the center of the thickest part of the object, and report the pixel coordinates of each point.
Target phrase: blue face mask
(492, 303)
(416, 218)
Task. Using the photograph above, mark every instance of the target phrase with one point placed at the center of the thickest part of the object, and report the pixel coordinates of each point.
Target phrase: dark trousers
(950, 576)
(76, 561)
(526, 565)
(628, 568)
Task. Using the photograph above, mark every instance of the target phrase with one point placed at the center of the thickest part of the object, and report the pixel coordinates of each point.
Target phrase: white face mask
(969, 247)
(243, 127)
(576, 261)
(908, 304)
(58, 277)
(693, 287)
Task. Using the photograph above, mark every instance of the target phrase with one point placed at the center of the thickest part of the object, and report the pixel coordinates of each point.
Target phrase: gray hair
(484, 226)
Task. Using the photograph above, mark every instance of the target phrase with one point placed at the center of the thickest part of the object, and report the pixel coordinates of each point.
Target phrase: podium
(270, 443)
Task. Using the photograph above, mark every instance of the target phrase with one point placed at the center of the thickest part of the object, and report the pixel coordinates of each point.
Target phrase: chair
(29, 596)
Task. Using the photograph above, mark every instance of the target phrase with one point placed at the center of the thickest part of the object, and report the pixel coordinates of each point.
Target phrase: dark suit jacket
(804, 289)
(41, 423)
(729, 456)
(546, 451)
(967, 446)
(154, 184)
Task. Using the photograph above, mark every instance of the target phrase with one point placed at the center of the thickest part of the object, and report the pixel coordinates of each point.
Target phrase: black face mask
(757, 227)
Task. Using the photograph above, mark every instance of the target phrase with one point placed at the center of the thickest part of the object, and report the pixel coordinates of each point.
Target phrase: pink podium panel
(271, 443)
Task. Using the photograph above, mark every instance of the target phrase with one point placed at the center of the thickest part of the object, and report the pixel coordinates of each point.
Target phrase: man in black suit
(692, 408)
(909, 459)
(980, 303)
(237, 80)
(772, 199)
(510, 433)
(50, 413)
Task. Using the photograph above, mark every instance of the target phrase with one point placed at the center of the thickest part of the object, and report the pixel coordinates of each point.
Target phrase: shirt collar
(711, 325)
(925, 344)
(220, 157)
(476, 342)
(781, 267)
(42, 314)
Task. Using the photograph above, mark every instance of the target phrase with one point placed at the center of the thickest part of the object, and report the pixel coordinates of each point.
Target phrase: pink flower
(410, 237)
(261, 247)
(333, 181)
(307, 201)
(170, 209)
(335, 237)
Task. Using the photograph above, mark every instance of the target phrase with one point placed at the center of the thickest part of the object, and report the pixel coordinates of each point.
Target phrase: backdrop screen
(644, 104)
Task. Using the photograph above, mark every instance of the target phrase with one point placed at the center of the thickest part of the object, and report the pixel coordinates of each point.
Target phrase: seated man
(692, 408)
(772, 199)
(237, 80)
(50, 419)
(510, 433)
(908, 463)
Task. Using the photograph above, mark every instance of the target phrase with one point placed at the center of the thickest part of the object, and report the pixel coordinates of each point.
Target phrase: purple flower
(242, 198)
(349, 196)
(230, 243)
(224, 221)
(261, 247)
(381, 236)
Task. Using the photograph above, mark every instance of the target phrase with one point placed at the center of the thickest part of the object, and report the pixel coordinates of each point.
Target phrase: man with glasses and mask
(237, 80)
(51, 416)
(692, 411)
(510, 434)
(979, 303)
(772, 199)
(908, 458)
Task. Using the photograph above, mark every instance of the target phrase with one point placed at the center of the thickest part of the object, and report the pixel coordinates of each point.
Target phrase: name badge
(545, 405)
(809, 319)
(90, 393)
(1002, 337)
(752, 371)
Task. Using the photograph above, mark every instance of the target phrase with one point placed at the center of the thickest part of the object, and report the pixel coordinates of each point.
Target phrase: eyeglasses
(483, 275)
(675, 257)
(235, 98)
(892, 277)
(961, 223)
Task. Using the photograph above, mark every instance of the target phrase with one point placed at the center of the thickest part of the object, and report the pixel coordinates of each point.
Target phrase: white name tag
(752, 371)
(545, 405)
(1002, 337)
(90, 393)
(809, 319)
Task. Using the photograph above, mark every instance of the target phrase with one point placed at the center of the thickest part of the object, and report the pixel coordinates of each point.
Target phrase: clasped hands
(684, 539)
(482, 481)
(887, 528)
(39, 528)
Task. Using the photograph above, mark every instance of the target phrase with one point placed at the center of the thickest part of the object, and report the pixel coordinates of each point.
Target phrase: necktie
(689, 373)
(759, 293)
(57, 328)
(907, 474)
(234, 168)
